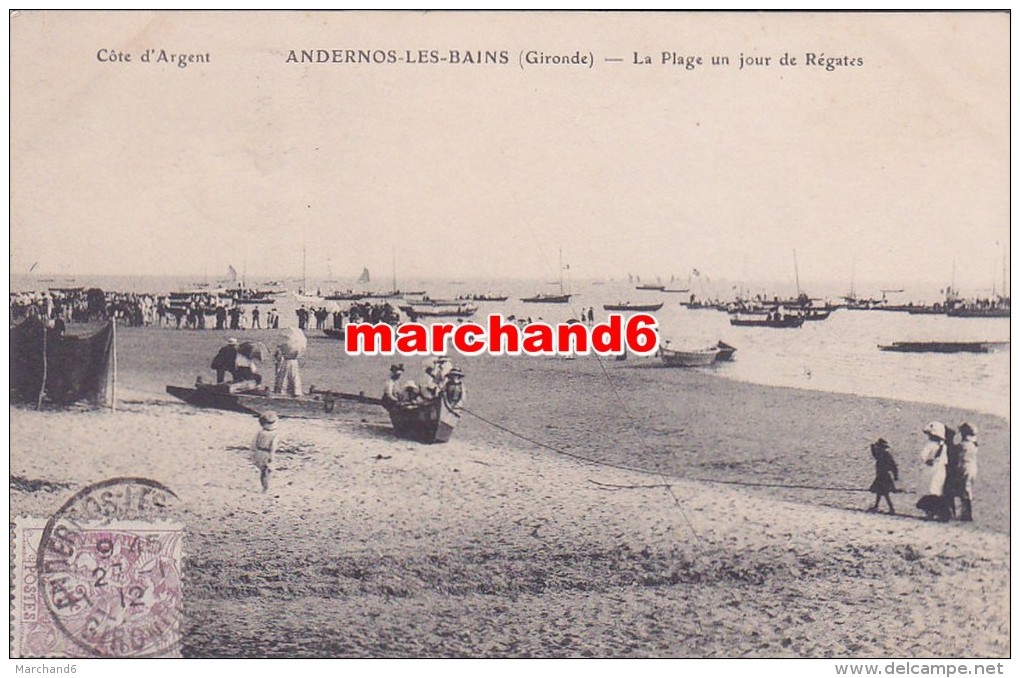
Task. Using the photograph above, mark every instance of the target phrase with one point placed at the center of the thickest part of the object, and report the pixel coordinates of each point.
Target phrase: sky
(893, 170)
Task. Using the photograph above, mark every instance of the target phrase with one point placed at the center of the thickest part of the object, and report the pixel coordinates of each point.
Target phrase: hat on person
(456, 372)
(410, 386)
(967, 430)
(396, 368)
(232, 341)
(268, 419)
(936, 430)
(881, 444)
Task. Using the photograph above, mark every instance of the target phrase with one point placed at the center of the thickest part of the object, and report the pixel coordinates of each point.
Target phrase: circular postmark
(109, 569)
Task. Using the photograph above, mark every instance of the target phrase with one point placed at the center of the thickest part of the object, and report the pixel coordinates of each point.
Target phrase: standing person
(391, 391)
(967, 469)
(266, 442)
(255, 325)
(225, 361)
(288, 375)
(935, 455)
(886, 474)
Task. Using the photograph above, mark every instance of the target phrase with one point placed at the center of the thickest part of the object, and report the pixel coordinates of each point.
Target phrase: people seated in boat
(226, 361)
(431, 382)
(412, 394)
(246, 369)
(391, 391)
(453, 388)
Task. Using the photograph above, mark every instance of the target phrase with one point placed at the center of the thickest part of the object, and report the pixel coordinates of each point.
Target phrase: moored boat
(547, 299)
(651, 288)
(627, 306)
(788, 321)
(945, 346)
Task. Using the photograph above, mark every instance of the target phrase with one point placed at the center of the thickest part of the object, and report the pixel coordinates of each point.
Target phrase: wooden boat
(760, 321)
(696, 358)
(548, 299)
(652, 288)
(249, 398)
(542, 298)
(945, 346)
(430, 422)
(671, 291)
(979, 312)
(453, 311)
(627, 306)
(334, 334)
(816, 315)
(726, 352)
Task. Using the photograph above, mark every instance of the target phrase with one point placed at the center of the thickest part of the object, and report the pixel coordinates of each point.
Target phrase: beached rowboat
(249, 398)
(696, 358)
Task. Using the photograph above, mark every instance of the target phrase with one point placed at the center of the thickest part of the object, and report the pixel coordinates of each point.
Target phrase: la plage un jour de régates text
(575, 58)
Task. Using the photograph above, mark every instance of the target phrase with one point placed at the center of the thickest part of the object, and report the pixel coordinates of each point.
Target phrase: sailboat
(560, 298)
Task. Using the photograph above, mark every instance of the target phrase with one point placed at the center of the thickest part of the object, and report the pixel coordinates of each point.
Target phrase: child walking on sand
(886, 474)
(265, 444)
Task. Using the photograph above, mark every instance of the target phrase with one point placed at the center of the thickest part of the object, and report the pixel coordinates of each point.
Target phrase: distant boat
(684, 291)
(651, 288)
(789, 321)
(438, 311)
(560, 298)
(945, 346)
(365, 277)
(979, 312)
(627, 306)
(547, 299)
(696, 358)
(816, 315)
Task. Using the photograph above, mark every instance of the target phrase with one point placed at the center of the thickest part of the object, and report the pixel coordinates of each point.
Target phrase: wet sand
(492, 546)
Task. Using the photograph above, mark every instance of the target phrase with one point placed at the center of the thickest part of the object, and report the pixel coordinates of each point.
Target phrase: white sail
(364, 276)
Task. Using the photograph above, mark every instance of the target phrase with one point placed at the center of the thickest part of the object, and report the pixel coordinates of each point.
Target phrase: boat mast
(561, 271)
(394, 251)
(304, 258)
(796, 272)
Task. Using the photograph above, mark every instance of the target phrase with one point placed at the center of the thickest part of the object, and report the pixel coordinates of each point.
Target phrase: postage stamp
(102, 577)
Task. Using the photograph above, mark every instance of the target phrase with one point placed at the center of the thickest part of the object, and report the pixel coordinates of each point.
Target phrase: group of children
(951, 469)
(440, 377)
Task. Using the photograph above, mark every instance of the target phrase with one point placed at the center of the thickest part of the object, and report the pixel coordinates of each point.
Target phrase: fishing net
(76, 365)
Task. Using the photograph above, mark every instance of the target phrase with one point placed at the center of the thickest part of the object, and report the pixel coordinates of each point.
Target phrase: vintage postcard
(511, 334)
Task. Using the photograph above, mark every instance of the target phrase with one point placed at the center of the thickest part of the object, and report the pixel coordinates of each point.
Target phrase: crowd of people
(367, 312)
(950, 469)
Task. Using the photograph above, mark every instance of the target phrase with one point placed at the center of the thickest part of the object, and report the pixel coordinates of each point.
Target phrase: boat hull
(702, 358)
(430, 422)
(548, 299)
(945, 346)
(633, 308)
(316, 405)
(791, 322)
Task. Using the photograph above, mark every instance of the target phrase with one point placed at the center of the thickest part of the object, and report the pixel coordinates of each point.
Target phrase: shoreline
(370, 546)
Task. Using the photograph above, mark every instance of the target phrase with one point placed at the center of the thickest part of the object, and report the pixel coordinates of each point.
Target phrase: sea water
(839, 354)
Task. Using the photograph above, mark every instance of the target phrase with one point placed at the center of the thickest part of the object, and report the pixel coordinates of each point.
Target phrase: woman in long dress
(935, 455)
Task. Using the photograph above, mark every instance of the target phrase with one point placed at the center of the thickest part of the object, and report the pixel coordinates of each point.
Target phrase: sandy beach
(492, 546)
